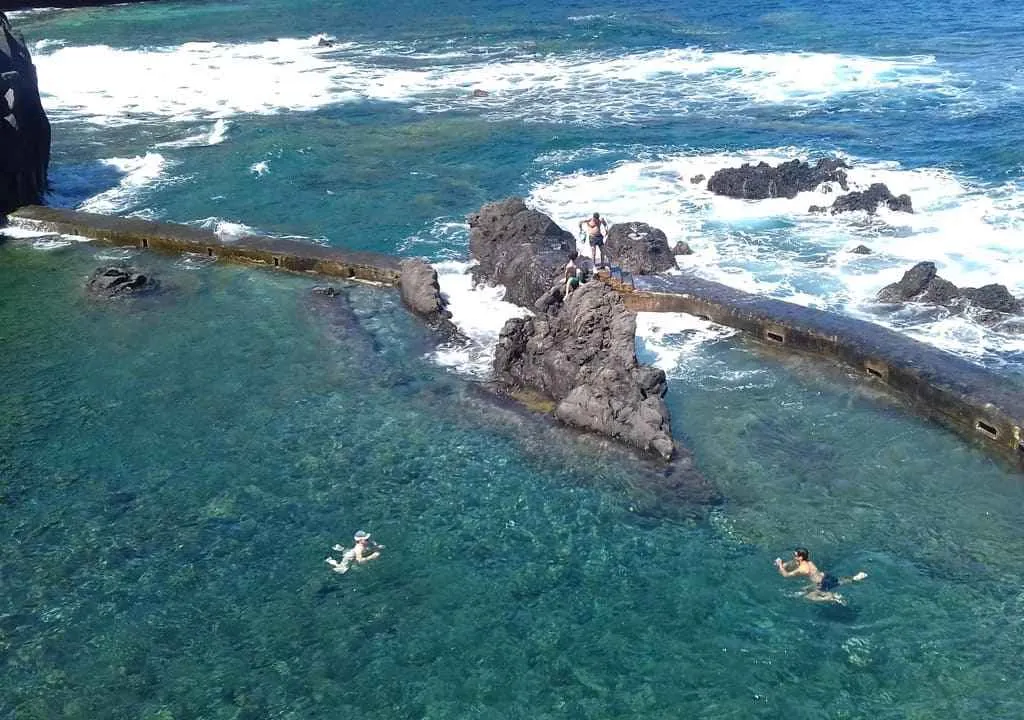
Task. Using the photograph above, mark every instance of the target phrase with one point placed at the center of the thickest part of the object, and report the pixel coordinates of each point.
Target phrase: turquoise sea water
(174, 469)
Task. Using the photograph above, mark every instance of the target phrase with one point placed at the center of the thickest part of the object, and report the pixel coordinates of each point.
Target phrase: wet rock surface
(639, 248)
(582, 355)
(114, 281)
(922, 283)
(761, 181)
(421, 293)
(24, 127)
(517, 247)
(871, 199)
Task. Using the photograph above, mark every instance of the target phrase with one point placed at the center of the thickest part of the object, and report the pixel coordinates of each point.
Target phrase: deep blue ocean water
(173, 470)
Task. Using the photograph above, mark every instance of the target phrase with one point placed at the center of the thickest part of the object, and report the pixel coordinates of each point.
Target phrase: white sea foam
(44, 44)
(480, 312)
(669, 340)
(16, 14)
(16, 232)
(776, 247)
(227, 230)
(260, 168)
(204, 81)
(215, 135)
(136, 174)
(116, 254)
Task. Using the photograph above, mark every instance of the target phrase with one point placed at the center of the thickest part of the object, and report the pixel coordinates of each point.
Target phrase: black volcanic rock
(869, 200)
(24, 127)
(421, 292)
(757, 182)
(517, 247)
(639, 248)
(582, 355)
(993, 297)
(917, 283)
(921, 283)
(113, 281)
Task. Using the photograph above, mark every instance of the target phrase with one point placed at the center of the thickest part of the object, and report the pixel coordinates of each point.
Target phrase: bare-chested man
(823, 585)
(596, 228)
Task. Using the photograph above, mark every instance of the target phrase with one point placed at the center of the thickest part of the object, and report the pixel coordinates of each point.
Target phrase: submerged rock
(639, 248)
(583, 357)
(115, 281)
(761, 181)
(24, 127)
(520, 248)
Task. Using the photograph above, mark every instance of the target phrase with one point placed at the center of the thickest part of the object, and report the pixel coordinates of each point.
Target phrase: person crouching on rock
(573, 273)
(364, 551)
(596, 228)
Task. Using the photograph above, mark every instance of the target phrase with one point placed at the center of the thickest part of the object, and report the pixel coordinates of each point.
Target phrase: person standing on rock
(596, 227)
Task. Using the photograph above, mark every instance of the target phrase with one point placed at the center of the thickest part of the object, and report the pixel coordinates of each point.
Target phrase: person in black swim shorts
(823, 585)
(596, 227)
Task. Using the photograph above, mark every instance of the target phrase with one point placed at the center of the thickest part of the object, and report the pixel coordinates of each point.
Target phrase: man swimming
(364, 551)
(596, 227)
(823, 585)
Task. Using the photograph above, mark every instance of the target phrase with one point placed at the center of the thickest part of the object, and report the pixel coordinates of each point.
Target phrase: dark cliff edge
(24, 127)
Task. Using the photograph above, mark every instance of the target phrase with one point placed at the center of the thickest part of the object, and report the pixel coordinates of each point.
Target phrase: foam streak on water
(480, 312)
(776, 247)
(209, 81)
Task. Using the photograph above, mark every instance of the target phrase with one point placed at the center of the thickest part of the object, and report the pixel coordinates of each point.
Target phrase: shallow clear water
(176, 468)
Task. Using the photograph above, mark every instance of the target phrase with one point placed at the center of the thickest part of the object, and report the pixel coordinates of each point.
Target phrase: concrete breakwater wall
(977, 403)
(175, 238)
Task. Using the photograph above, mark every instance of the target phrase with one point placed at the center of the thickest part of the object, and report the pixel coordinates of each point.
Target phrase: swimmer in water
(823, 584)
(364, 551)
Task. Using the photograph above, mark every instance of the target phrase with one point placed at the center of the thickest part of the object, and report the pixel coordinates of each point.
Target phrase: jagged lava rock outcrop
(639, 248)
(24, 128)
(868, 201)
(761, 181)
(517, 247)
(582, 355)
(922, 283)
